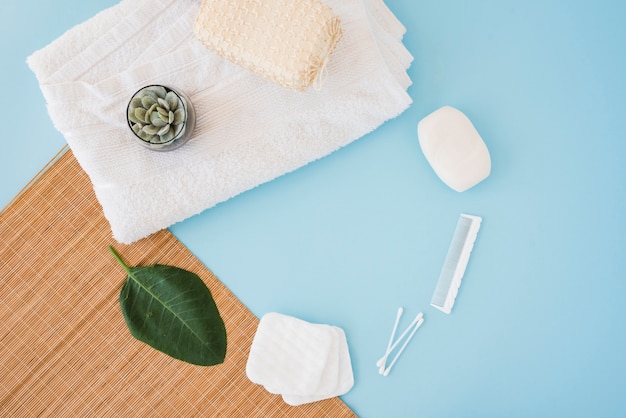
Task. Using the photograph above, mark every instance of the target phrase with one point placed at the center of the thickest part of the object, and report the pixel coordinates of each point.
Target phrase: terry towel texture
(248, 130)
(286, 41)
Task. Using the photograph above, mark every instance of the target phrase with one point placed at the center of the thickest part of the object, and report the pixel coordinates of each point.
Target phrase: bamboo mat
(65, 350)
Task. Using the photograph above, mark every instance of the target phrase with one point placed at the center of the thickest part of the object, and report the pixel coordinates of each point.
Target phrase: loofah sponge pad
(285, 41)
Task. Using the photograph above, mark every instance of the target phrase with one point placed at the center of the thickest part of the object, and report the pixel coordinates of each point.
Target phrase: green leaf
(172, 310)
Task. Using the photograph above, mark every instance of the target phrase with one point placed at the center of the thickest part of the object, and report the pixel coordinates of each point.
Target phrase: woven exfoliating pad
(65, 348)
(285, 41)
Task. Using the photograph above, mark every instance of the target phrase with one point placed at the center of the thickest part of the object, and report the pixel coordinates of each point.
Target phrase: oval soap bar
(453, 148)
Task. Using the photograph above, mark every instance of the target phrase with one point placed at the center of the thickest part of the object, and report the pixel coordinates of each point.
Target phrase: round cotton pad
(453, 148)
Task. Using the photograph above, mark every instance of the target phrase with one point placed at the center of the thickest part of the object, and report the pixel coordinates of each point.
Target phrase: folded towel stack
(286, 41)
(301, 361)
(248, 130)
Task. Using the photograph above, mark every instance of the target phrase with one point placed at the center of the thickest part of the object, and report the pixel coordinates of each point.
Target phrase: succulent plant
(157, 115)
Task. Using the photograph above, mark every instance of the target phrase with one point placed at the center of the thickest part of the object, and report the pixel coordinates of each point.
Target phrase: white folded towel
(248, 130)
(301, 361)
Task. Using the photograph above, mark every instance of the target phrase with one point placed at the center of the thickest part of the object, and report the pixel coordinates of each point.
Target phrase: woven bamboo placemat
(65, 350)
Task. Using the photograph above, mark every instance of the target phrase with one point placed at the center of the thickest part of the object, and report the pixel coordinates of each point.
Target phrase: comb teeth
(455, 263)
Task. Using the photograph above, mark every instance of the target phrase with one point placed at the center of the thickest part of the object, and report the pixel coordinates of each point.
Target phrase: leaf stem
(119, 259)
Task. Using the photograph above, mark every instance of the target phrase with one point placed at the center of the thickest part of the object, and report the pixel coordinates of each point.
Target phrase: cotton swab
(417, 325)
(381, 363)
(383, 359)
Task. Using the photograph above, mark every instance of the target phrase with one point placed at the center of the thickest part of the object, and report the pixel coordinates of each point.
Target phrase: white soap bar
(453, 148)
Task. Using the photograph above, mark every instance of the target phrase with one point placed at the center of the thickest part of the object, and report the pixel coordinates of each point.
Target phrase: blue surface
(538, 327)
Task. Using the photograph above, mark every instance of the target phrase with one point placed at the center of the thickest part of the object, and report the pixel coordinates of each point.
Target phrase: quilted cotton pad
(330, 374)
(286, 41)
(289, 355)
(344, 379)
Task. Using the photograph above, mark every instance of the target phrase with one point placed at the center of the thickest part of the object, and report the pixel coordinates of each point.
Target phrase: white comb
(455, 263)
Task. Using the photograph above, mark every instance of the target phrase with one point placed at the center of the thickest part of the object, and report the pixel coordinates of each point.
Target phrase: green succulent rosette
(157, 115)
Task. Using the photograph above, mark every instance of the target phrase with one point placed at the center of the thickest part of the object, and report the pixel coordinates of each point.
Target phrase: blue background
(538, 327)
